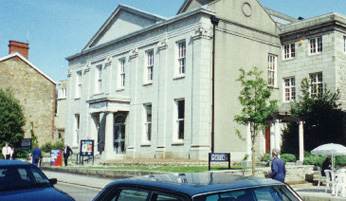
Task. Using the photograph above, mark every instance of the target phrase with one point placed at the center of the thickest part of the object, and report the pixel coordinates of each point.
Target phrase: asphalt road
(79, 193)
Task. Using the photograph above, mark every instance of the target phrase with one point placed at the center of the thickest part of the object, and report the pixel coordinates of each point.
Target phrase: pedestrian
(36, 157)
(12, 154)
(67, 153)
(326, 165)
(278, 169)
(6, 151)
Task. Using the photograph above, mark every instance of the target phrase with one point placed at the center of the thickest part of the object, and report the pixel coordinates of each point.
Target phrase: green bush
(288, 157)
(340, 160)
(49, 146)
(313, 160)
(22, 154)
(266, 157)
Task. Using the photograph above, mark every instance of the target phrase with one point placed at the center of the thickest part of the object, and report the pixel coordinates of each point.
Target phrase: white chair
(340, 183)
(330, 181)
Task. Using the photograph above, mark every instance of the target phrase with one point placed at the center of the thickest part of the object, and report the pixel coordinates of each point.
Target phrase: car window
(166, 198)
(23, 173)
(38, 176)
(276, 193)
(131, 195)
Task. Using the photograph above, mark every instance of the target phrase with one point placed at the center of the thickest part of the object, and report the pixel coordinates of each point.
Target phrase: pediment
(189, 5)
(123, 21)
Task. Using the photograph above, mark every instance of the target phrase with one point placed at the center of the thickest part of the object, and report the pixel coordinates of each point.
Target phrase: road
(79, 193)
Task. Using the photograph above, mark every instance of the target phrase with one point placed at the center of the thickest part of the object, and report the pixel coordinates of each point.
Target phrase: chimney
(20, 47)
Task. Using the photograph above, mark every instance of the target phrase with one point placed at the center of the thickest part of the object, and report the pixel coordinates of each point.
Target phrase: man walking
(36, 157)
(67, 153)
(7, 152)
(278, 169)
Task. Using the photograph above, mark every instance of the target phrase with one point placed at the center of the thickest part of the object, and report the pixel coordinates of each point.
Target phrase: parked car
(21, 181)
(197, 187)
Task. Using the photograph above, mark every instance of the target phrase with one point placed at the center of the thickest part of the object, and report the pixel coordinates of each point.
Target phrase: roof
(193, 184)
(12, 163)
(279, 17)
(27, 62)
(120, 8)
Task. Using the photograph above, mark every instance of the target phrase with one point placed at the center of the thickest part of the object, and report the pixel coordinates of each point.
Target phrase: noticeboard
(86, 148)
(219, 157)
(26, 144)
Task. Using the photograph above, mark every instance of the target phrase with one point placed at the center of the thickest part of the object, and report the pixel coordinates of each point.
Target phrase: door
(119, 133)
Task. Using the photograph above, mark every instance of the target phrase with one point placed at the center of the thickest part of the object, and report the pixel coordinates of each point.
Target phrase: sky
(56, 29)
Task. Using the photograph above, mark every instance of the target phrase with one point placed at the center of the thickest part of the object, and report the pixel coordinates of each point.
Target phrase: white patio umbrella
(330, 150)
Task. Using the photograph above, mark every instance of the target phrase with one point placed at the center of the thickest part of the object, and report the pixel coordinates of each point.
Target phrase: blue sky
(56, 29)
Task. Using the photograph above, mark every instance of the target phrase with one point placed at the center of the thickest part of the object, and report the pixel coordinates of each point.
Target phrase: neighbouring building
(34, 89)
(142, 86)
(60, 117)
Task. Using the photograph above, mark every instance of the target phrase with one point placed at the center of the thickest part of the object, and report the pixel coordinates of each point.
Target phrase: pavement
(307, 191)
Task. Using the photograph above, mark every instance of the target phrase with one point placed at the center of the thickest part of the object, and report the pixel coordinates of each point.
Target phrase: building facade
(60, 117)
(142, 85)
(34, 90)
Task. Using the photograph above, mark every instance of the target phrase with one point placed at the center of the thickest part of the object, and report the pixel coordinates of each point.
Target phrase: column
(94, 124)
(301, 141)
(109, 147)
(272, 136)
(277, 134)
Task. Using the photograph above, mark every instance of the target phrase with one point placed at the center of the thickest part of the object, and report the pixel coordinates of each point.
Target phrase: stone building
(35, 91)
(142, 86)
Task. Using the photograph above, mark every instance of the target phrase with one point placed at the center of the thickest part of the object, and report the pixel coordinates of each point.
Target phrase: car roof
(193, 184)
(12, 163)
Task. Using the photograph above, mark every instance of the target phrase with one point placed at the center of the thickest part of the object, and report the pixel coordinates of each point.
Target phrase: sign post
(86, 150)
(219, 157)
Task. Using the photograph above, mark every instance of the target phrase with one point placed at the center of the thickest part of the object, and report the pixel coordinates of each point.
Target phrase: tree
(11, 119)
(322, 116)
(256, 105)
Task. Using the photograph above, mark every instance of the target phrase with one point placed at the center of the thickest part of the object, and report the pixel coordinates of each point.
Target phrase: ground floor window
(180, 118)
(147, 122)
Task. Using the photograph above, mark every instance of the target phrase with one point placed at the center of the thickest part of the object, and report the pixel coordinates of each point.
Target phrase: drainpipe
(215, 21)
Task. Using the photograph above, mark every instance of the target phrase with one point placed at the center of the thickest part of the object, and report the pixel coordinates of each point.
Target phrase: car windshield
(270, 193)
(21, 177)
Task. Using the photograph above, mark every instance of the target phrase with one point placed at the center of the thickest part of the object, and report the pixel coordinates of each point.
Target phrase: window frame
(272, 70)
(315, 45)
(344, 37)
(121, 74)
(78, 85)
(98, 79)
(147, 136)
(289, 51)
(149, 66)
(316, 84)
(292, 92)
(177, 136)
(181, 48)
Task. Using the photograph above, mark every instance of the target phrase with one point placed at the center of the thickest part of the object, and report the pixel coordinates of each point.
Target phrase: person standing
(326, 165)
(278, 169)
(6, 151)
(67, 153)
(36, 157)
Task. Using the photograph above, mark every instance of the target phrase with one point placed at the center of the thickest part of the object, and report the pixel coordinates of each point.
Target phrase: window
(76, 131)
(62, 93)
(316, 85)
(133, 195)
(180, 118)
(272, 68)
(149, 66)
(316, 45)
(78, 86)
(147, 122)
(98, 83)
(289, 51)
(181, 57)
(344, 43)
(165, 198)
(121, 74)
(289, 89)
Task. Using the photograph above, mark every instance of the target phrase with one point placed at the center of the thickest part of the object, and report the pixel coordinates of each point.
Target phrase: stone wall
(36, 95)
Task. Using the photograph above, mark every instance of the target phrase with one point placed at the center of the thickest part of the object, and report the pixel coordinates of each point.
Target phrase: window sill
(61, 98)
(76, 99)
(98, 94)
(178, 77)
(120, 90)
(315, 54)
(147, 83)
(177, 144)
(288, 59)
(146, 144)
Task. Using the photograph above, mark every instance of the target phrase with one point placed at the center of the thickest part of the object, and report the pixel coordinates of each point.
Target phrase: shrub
(22, 154)
(49, 146)
(288, 157)
(266, 157)
(340, 160)
(314, 160)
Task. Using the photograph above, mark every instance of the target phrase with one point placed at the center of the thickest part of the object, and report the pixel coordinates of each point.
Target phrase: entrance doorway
(119, 132)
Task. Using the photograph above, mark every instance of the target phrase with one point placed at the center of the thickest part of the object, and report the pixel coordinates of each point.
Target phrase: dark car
(23, 181)
(197, 187)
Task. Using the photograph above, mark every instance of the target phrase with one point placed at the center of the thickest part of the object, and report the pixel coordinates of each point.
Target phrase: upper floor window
(78, 84)
(147, 122)
(149, 66)
(121, 74)
(316, 45)
(180, 118)
(344, 43)
(289, 89)
(181, 57)
(98, 76)
(62, 92)
(272, 69)
(289, 51)
(316, 84)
